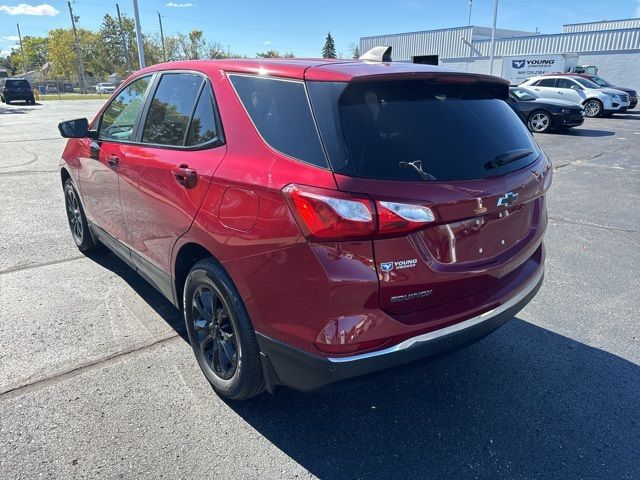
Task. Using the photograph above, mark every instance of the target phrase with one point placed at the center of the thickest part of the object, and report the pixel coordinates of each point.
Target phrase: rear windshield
(17, 83)
(457, 130)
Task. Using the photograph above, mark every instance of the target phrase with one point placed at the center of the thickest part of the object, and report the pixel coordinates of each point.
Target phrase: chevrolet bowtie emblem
(507, 199)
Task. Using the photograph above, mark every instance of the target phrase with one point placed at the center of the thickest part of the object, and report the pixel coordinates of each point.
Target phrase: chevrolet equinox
(314, 220)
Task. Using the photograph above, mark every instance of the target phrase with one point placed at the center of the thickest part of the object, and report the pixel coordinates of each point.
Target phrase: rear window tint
(373, 129)
(171, 109)
(17, 83)
(280, 111)
(203, 124)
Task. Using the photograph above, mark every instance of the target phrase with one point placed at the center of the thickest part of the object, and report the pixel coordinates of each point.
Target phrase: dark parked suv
(315, 220)
(12, 89)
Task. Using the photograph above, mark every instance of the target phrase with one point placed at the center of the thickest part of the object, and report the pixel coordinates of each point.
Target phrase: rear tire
(593, 108)
(539, 121)
(221, 333)
(77, 219)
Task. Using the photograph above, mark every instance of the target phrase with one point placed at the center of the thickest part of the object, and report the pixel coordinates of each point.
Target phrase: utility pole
(470, 5)
(136, 17)
(164, 53)
(78, 51)
(24, 62)
(124, 40)
(493, 36)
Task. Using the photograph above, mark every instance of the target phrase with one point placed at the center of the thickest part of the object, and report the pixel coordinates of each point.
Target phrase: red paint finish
(326, 297)
(239, 209)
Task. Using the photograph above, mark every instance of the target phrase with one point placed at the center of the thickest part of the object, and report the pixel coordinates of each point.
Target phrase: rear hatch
(17, 85)
(481, 174)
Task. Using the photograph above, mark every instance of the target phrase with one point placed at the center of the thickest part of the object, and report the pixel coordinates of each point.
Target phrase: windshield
(586, 83)
(600, 81)
(523, 94)
(456, 130)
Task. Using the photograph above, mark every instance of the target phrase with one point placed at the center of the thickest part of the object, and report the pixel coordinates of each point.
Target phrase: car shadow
(524, 402)
(155, 299)
(584, 132)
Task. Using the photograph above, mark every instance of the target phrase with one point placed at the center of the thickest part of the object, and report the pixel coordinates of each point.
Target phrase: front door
(165, 176)
(100, 164)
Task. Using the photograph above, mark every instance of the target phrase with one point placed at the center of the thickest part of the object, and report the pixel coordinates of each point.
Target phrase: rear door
(482, 176)
(165, 176)
(546, 88)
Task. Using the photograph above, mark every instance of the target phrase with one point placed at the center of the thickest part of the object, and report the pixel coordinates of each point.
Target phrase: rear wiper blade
(417, 166)
(508, 157)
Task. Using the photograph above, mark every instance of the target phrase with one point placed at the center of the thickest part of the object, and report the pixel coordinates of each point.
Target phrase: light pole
(493, 36)
(136, 17)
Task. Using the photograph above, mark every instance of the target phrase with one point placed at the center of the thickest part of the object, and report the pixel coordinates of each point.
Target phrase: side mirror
(78, 128)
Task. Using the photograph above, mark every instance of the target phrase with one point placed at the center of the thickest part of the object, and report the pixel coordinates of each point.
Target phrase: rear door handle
(185, 176)
(113, 161)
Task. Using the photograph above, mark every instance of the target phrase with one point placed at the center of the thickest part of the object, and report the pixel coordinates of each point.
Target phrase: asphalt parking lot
(96, 378)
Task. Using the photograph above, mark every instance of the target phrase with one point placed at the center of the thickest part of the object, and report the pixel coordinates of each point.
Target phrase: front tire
(77, 219)
(593, 108)
(220, 331)
(539, 121)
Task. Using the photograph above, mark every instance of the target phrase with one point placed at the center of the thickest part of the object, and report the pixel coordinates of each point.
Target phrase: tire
(224, 342)
(77, 219)
(539, 121)
(7, 101)
(592, 108)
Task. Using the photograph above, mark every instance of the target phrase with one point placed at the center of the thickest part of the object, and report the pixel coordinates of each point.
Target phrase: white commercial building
(612, 46)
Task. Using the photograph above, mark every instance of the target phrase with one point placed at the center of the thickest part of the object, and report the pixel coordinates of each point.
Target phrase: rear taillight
(331, 215)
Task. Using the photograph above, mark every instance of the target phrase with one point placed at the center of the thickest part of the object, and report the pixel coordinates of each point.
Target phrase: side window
(120, 116)
(203, 124)
(171, 109)
(280, 111)
(564, 83)
(546, 82)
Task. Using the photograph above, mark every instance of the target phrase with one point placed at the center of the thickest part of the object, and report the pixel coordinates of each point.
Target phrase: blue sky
(301, 26)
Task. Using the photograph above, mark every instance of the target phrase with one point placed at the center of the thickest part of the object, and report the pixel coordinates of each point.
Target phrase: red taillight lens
(331, 215)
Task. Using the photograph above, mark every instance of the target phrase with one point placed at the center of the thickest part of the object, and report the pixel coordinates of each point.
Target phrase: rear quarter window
(280, 111)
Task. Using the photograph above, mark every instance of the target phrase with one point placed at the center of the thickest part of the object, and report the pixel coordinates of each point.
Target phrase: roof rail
(377, 54)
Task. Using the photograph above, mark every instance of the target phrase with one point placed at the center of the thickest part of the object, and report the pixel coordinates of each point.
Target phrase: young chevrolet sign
(518, 69)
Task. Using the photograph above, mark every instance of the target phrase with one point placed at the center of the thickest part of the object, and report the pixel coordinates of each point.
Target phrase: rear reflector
(333, 215)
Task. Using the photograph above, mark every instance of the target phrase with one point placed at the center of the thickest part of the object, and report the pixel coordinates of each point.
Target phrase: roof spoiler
(377, 54)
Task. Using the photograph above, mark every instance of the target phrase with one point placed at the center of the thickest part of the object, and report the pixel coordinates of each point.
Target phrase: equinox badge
(507, 199)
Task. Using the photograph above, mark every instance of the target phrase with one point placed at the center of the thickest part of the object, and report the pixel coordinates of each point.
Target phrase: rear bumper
(290, 366)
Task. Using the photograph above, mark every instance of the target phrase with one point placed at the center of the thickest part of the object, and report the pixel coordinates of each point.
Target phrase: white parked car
(595, 99)
(105, 88)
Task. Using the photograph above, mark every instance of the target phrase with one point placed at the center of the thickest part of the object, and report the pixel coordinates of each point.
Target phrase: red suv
(315, 220)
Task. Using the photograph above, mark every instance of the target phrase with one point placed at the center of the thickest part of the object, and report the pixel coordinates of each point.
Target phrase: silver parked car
(596, 100)
(105, 88)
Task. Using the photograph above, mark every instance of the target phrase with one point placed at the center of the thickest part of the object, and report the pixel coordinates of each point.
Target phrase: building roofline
(424, 31)
(561, 34)
(600, 21)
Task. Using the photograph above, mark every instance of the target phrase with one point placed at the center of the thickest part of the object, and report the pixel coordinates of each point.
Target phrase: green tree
(35, 53)
(329, 49)
(269, 54)
(62, 53)
(355, 52)
(112, 41)
(192, 46)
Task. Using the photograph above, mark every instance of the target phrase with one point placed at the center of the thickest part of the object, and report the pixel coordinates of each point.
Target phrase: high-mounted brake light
(332, 215)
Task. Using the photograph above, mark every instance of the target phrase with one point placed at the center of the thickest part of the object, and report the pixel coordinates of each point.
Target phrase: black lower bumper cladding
(290, 366)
